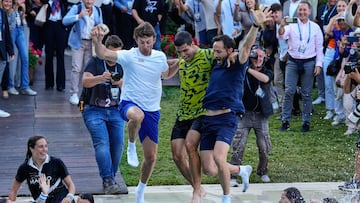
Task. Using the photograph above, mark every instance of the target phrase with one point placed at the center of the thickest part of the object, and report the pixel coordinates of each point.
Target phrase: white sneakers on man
(318, 100)
(4, 114)
(132, 157)
(245, 172)
(74, 99)
(329, 115)
(13, 91)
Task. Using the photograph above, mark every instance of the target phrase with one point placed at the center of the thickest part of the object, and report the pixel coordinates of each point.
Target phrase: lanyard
(198, 6)
(301, 34)
(231, 8)
(325, 12)
(105, 67)
(248, 84)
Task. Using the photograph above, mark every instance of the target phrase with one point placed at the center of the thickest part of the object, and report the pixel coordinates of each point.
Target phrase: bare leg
(150, 151)
(357, 164)
(147, 167)
(179, 156)
(135, 116)
(192, 144)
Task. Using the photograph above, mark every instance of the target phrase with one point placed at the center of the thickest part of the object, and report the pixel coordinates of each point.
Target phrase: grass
(322, 155)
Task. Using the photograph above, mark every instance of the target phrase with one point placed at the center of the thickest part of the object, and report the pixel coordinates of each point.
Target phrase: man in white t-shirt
(141, 92)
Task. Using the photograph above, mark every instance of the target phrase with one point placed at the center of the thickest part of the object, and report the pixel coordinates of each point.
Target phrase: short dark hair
(293, 194)
(182, 37)
(275, 7)
(307, 3)
(228, 41)
(145, 29)
(87, 196)
(113, 41)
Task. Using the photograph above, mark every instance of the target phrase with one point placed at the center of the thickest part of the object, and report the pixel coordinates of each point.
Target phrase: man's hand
(261, 16)
(98, 33)
(317, 70)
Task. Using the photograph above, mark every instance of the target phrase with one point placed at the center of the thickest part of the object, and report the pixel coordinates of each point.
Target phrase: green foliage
(322, 155)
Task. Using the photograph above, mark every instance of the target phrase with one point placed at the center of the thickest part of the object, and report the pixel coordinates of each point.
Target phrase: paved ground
(257, 193)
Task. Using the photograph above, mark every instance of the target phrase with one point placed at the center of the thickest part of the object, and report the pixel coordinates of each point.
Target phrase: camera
(351, 66)
(253, 54)
(291, 20)
(116, 76)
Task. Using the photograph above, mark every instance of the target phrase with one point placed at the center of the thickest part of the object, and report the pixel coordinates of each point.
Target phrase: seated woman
(39, 166)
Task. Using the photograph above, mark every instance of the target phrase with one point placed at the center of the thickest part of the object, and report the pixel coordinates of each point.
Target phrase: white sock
(140, 192)
(226, 198)
(132, 145)
(242, 171)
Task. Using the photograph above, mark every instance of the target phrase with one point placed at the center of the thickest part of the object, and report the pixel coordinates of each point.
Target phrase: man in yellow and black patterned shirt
(195, 65)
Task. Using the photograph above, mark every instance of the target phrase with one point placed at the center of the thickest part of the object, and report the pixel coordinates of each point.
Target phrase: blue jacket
(72, 17)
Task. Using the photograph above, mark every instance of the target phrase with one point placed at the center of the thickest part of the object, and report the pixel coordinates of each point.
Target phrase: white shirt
(293, 7)
(142, 77)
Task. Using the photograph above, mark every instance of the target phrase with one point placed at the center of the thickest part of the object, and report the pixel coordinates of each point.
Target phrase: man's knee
(135, 114)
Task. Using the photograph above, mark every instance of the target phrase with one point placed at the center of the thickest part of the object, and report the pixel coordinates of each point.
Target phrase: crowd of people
(268, 55)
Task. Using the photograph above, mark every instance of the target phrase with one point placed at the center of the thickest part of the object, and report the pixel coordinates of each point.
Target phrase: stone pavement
(257, 193)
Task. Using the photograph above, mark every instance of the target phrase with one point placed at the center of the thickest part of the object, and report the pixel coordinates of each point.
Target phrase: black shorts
(180, 129)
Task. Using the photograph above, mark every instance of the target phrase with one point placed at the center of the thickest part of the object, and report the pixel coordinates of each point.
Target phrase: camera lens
(116, 76)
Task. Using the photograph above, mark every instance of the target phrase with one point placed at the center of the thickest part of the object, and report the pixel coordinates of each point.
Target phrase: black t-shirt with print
(53, 170)
(100, 95)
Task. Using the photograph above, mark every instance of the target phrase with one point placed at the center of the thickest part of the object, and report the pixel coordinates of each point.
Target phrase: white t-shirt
(142, 77)
(208, 6)
(227, 17)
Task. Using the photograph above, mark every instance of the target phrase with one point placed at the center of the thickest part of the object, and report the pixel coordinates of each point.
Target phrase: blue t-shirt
(226, 88)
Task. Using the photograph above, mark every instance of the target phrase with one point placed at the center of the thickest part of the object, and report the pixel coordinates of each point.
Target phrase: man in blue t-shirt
(223, 102)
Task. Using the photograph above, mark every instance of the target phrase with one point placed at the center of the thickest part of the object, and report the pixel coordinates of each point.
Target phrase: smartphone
(291, 20)
(352, 39)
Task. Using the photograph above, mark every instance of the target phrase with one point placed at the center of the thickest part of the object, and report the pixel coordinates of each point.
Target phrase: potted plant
(34, 60)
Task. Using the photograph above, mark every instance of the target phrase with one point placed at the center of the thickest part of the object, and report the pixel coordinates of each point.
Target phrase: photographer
(257, 87)
(351, 77)
(99, 102)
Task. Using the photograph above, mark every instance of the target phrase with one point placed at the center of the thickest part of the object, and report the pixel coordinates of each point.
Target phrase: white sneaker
(350, 131)
(318, 100)
(139, 196)
(13, 91)
(28, 91)
(265, 178)
(132, 157)
(4, 114)
(245, 172)
(329, 115)
(74, 99)
(234, 183)
(338, 120)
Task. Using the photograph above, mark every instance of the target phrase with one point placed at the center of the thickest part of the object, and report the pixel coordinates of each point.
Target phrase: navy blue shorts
(150, 124)
(217, 128)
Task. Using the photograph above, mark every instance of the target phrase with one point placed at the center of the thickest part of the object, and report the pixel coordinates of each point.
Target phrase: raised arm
(245, 44)
(97, 35)
(172, 70)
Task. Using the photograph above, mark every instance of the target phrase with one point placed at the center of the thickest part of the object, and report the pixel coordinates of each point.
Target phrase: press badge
(302, 48)
(197, 17)
(114, 93)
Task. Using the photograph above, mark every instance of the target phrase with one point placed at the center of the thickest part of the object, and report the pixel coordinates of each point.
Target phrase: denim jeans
(19, 40)
(329, 80)
(158, 37)
(107, 133)
(291, 79)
